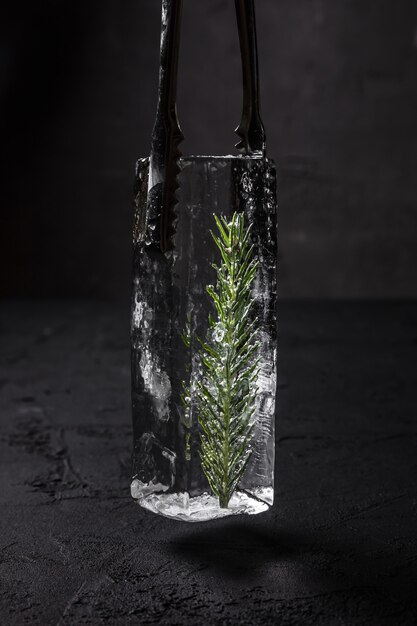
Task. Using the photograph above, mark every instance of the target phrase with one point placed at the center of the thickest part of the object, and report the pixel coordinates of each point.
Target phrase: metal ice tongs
(167, 135)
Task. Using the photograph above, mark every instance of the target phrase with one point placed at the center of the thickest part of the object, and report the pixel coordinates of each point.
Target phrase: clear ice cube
(169, 293)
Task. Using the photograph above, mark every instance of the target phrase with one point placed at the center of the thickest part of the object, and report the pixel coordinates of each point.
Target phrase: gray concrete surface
(338, 548)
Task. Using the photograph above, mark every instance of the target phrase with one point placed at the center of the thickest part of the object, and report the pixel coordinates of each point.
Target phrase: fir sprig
(227, 390)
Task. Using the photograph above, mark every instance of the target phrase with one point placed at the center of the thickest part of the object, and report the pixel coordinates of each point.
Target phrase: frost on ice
(156, 381)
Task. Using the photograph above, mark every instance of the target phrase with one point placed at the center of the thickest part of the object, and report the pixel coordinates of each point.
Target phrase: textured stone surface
(339, 546)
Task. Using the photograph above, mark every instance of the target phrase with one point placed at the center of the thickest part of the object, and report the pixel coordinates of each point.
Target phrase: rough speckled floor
(340, 545)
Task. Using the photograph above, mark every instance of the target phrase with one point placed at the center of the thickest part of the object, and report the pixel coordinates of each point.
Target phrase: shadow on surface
(304, 566)
(234, 548)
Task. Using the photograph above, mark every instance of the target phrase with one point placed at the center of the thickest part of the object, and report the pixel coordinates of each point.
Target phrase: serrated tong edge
(167, 134)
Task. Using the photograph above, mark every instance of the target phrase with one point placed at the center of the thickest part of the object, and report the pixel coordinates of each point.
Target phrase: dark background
(78, 92)
(78, 84)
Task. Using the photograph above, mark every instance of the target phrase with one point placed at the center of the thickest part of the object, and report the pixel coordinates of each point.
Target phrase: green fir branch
(227, 390)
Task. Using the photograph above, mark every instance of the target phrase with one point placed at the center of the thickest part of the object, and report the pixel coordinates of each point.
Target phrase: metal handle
(250, 130)
(166, 135)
